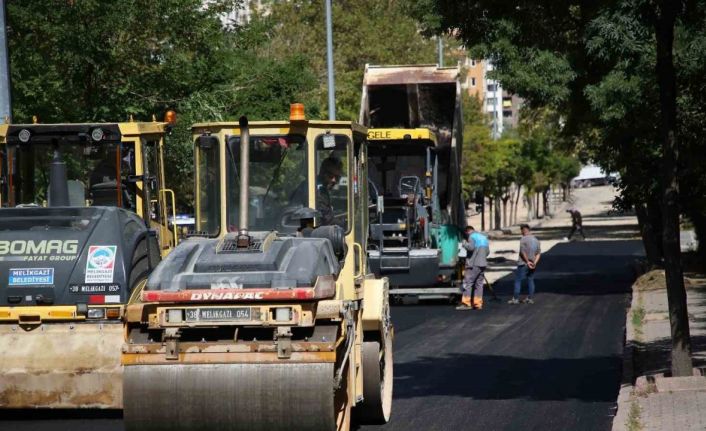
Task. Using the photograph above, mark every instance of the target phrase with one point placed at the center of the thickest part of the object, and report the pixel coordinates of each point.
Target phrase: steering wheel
(286, 223)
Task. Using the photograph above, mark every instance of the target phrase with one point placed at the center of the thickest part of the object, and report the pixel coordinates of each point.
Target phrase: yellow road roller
(84, 221)
(267, 317)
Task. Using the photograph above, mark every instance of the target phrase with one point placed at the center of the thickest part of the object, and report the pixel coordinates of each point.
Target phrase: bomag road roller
(267, 317)
(82, 223)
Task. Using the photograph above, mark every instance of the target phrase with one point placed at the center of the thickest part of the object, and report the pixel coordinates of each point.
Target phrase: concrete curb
(626, 387)
(632, 386)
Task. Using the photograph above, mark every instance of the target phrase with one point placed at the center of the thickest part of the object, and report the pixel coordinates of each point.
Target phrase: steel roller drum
(229, 397)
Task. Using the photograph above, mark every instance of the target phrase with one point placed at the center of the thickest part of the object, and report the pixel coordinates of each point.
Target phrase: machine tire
(377, 383)
(142, 264)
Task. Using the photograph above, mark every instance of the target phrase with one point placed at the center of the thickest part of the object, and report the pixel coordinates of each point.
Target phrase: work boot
(464, 307)
(477, 304)
(513, 301)
(528, 301)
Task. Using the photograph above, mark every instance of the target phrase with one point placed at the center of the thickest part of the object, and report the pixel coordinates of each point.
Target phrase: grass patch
(633, 422)
(638, 319)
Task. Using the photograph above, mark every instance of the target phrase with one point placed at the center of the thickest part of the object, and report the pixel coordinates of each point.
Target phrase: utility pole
(495, 111)
(5, 100)
(440, 49)
(496, 129)
(329, 62)
(482, 211)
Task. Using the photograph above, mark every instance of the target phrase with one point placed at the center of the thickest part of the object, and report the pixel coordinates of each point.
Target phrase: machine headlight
(96, 313)
(175, 316)
(283, 314)
(97, 134)
(24, 135)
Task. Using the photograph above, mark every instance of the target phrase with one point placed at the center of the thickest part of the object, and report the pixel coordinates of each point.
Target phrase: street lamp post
(329, 63)
(440, 48)
(5, 101)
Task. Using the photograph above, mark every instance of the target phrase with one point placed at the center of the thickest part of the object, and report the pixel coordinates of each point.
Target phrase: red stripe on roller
(229, 295)
(96, 299)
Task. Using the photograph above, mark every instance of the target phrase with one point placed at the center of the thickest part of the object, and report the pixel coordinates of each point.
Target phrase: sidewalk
(656, 401)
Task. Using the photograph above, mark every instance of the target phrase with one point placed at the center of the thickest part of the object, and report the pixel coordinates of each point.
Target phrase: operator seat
(105, 194)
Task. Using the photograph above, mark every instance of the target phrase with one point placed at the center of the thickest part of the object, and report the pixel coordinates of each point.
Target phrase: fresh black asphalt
(554, 365)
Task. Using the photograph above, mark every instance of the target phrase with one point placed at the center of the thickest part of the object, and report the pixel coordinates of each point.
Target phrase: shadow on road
(60, 414)
(491, 377)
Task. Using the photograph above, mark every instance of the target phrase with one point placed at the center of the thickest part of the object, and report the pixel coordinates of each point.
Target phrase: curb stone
(628, 376)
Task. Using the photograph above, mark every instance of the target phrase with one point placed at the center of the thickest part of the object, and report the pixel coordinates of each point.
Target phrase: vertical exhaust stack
(243, 236)
(58, 186)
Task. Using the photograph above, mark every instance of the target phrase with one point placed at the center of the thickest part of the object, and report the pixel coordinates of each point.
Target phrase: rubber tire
(142, 265)
(377, 384)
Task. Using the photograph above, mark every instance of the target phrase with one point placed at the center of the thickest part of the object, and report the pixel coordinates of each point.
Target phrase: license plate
(217, 314)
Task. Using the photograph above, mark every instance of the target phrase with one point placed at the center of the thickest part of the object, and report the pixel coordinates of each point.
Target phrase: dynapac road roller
(83, 220)
(267, 317)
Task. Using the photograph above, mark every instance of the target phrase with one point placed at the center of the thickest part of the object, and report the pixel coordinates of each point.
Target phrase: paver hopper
(415, 169)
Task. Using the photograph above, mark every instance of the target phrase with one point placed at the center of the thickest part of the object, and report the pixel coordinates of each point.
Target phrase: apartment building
(502, 108)
(241, 14)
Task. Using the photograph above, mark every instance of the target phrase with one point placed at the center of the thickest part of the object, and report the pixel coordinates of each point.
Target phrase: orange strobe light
(170, 117)
(296, 112)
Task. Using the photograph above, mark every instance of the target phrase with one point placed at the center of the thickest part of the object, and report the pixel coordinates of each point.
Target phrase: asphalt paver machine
(415, 139)
(83, 221)
(264, 318)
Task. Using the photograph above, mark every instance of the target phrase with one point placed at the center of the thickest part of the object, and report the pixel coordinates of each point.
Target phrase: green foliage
(595, 63)
(534, 158)
(476, 136)
(365, 32)
(100, 60)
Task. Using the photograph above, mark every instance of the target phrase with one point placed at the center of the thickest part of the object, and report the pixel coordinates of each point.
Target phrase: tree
(364, 32)
(605, 66)
(100, 60)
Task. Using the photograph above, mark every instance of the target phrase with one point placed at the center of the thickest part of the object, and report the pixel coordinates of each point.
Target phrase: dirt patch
(655, 280)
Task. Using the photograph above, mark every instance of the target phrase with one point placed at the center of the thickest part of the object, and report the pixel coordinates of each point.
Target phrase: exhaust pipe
(58, 186)
(244, 177)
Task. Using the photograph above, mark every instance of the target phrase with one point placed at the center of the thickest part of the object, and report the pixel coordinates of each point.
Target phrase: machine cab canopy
(302, 164)
(401, 160)
(105, 163)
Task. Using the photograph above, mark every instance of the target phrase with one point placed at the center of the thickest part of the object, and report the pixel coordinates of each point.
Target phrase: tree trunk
(544, 203)
(496, 204)
(512, 210)
(482, 216)
(676, 294)
(505, 198)
(490, 213)
(536, 206)
(654, 215)
(528, 202)
(649, 235)
(517, 203)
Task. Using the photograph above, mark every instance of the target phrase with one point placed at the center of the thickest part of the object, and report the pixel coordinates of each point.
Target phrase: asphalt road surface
(554, 365)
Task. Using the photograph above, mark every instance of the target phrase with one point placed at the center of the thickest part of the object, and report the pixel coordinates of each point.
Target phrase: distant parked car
(591, 176)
